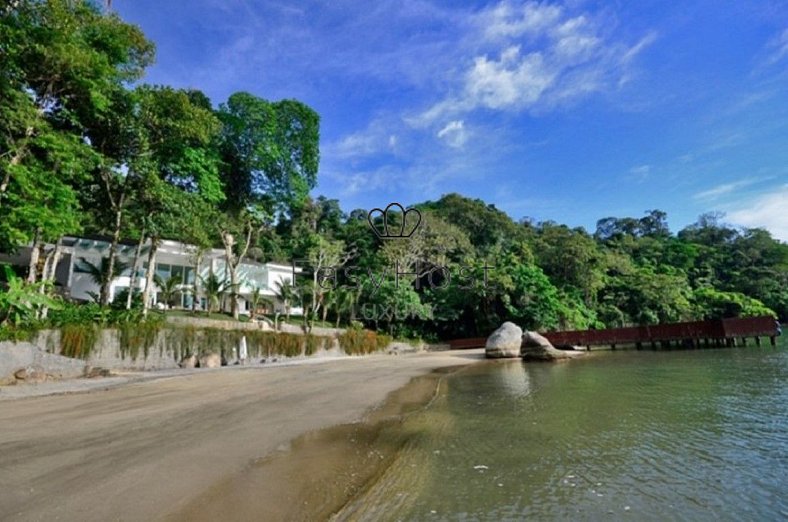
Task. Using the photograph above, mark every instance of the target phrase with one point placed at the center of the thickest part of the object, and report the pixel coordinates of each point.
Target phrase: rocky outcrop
(536, 347)
(188, 362)
(211, 360)
(504, 342)
(31, 375)
(96, 372)
(15, 357)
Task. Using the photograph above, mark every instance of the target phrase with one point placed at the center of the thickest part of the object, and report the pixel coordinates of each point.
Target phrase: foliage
(362, 342)
(21, 302)
(85, 147)
(169, 288)
(137, 338)
(269, 151)
(714, 304)
(78, 340)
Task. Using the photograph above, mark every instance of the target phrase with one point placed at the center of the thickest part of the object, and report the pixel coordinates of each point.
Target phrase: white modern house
(173, 259)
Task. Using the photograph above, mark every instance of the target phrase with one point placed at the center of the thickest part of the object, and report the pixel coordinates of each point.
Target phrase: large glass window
(163, 271)
(177, 272)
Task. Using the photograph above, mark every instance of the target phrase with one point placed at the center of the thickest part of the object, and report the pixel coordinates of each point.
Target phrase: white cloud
(640, 173)
(778, 48)
(542, 55)
(726, 188)
(636, 49)
(766, 211)
(375, 139)
(510, 20)
(454, 134)
(512, 57)
(509, 81)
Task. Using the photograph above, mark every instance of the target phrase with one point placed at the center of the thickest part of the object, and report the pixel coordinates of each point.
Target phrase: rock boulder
(536, 347)
(189, 362)
(31, 374)
(504, 342)
(211, 360)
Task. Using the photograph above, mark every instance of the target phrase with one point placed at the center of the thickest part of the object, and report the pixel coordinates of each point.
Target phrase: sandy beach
(155, 449)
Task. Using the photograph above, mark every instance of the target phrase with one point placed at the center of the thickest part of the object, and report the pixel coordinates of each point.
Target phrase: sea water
(628, 435)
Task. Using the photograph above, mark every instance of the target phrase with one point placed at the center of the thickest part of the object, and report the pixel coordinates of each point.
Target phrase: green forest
(86, 148)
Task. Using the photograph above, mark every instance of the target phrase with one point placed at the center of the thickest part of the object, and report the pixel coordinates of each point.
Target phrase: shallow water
(680, 435)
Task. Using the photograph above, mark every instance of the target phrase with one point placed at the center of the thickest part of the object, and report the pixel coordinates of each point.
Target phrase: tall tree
(270, 152)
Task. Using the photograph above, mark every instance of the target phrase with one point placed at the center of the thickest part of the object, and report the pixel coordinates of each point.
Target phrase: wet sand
(178, 448)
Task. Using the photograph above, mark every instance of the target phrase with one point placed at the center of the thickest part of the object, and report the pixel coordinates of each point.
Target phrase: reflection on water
(691, 435)
(513, 380)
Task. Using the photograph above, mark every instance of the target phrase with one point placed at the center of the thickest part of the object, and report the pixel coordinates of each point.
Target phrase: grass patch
(183, 341)
(137, 338)
(362, 342)
(78, 340)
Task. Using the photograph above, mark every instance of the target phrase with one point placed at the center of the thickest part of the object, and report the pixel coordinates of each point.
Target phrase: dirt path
(145, 450)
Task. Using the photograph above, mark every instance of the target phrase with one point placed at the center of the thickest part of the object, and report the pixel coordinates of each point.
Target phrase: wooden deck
(723, 332)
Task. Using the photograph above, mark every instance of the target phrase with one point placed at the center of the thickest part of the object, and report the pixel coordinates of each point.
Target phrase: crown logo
(390, 229)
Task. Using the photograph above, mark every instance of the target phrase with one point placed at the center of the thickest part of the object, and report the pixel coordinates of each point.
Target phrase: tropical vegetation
(86, 148)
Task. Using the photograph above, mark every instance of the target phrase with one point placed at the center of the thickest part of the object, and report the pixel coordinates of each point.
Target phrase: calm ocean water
(677, 435)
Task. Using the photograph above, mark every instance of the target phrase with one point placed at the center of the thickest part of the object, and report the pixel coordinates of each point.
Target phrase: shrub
(78, 340)
(715, 304)
(136, 337)
(360, 342)
(312, 344)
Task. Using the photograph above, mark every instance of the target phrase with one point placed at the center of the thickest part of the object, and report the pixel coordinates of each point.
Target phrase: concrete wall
(16, 356)
(202, 322)
(107, 352)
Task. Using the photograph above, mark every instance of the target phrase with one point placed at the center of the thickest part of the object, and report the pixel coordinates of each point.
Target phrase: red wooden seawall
(719, 332)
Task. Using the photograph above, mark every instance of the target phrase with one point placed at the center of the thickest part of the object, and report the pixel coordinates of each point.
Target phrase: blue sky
(570, 111)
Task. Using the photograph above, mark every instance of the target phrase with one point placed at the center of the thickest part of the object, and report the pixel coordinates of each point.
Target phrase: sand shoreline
(146, 450)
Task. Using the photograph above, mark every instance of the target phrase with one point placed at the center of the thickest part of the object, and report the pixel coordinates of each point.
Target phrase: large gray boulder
(211, 360)
(504, 342)
(536, 347)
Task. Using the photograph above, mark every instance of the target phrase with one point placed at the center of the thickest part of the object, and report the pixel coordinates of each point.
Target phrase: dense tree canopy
(84, 147)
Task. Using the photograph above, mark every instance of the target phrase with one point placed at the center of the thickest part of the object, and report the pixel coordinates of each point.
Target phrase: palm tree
(100, 272)
(345, 299)
(168, 288)
(215, 290)
(256, 298)
(286, 293)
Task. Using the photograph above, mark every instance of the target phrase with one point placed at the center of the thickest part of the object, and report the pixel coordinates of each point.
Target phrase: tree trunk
(232, 264)
(55, 261)
(234, 292)
(113, 253)
(50, 271)
(154, 245)
(4, 185)
(134, 264)
(35, 255)
(195, 285)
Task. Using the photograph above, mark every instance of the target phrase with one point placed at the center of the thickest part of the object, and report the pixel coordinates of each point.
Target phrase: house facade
(81, 258)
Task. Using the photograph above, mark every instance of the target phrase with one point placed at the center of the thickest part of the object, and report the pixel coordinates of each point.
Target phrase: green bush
(312, 344)
(710, 303)
(16, 333)
(137, 337)
(361, 342)
(78, 340)
(182, 341)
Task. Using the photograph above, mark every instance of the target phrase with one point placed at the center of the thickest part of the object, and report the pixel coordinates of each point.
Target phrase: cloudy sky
(570, 111)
